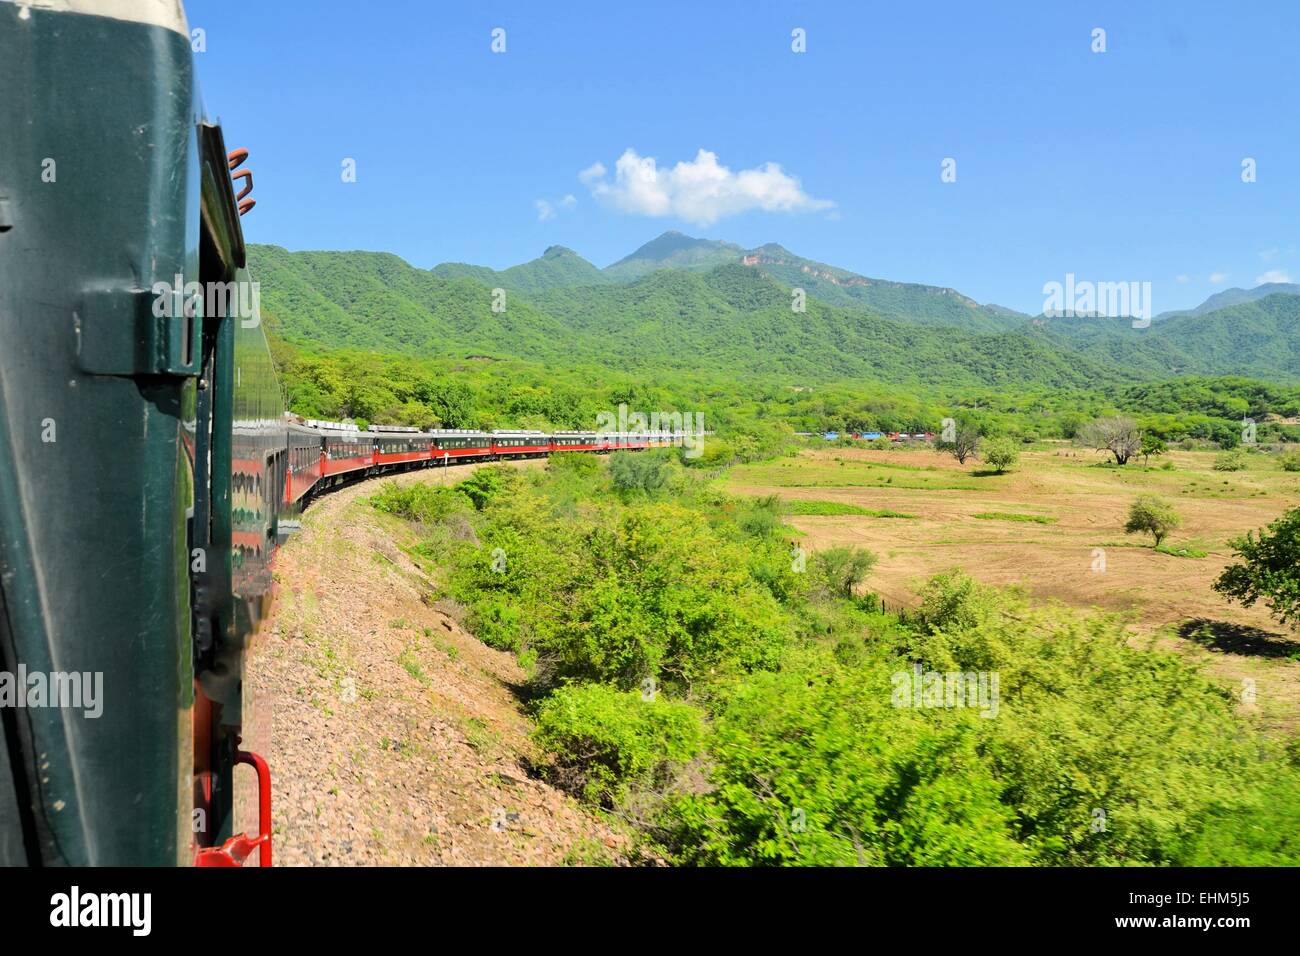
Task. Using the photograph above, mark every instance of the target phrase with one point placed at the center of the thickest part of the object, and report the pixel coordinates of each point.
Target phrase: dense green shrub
(420, 502)
(599, 741)
(579, 462)
(1263, 829)
(1094, 753)
(1233, 460)
(630, 592)
(953, 600)
(495, 620)
(666, 598)
(646, 472)
(1089, 723)
(485, 483)
(813, 766)
(759, 517)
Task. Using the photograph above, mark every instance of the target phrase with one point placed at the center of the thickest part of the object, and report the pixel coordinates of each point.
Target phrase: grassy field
(1055, 526)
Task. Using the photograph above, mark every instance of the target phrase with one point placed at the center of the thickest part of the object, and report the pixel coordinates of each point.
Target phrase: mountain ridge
(560, 266)
(1234, 296)
(922, 303)
(741, 319)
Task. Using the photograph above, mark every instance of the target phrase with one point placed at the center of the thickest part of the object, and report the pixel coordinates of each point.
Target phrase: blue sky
(1116, 166)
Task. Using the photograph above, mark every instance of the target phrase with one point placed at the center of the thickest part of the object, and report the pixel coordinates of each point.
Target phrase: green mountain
(674, 250)
(376, 301)
(556, 267)
(1258, 338)
(465, 270)
(737, 318)
(1229, 297)
(732, 319)
(1102, 338)
(904, 301)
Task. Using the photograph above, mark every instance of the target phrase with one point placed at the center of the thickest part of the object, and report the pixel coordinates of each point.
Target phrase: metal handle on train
(238, 848)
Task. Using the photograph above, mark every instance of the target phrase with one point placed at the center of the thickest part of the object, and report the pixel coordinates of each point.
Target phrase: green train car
(142, 447)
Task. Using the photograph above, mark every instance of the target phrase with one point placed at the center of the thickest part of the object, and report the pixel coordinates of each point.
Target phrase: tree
(1270, 569)
(843, 569)
(1149, 513)
(485, 484)
(1117, 435)
(964, 443)
(1151, 445)
(638, 471)
(1001, 453)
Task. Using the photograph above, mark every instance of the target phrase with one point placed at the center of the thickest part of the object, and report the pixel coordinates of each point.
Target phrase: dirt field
(394, 737)
(1076, 552)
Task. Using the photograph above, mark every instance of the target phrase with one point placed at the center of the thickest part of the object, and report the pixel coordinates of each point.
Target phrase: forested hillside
(731, 319)
(901, 301)
(557, 266)
(741, 319)
(1221, 300)
(1259, 338)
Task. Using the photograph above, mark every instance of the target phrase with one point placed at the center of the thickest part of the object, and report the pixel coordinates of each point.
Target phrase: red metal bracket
(235, 159)
(238, 848)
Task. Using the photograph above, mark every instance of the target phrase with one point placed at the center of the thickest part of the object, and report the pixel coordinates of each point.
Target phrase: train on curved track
(147, 467)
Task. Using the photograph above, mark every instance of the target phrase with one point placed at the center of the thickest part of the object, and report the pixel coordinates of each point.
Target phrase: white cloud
(701, 191)
(546, 209)
(1268, 255)
(592, 173)
(1217, 277)
(1183, 280)
(1272, 275)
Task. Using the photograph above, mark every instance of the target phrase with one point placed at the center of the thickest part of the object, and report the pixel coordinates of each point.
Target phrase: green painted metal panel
(100, 183)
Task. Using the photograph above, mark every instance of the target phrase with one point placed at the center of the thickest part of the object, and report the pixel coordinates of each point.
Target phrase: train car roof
(169, 14)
